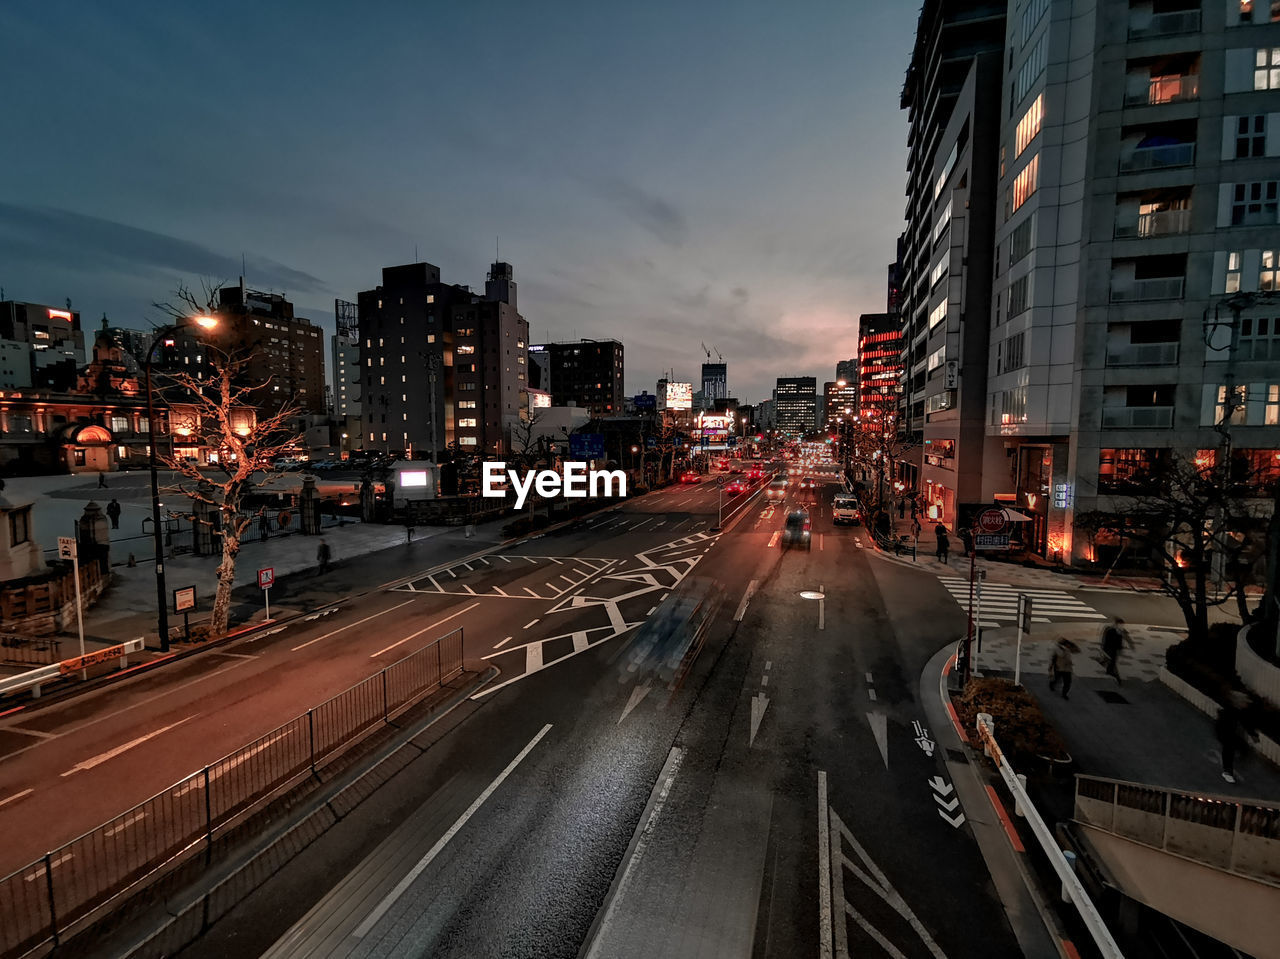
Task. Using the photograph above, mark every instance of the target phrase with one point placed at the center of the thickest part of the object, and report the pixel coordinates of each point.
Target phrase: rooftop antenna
(243, 270)
(415, 253)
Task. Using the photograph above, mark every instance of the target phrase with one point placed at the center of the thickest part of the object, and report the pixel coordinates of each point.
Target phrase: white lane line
(113, 753)
(568, 580)
(470, 568)
(870, 679)
(670, 770)
(438, 622)
(16, 796)
(435, 584)
(871, 694)
(126, 823)
(498, 591)
(824, 871)
(530, 623)
(390, 898)
(777, 535)
(503, 643)
(746, 598)
(532, 560)
(340, 629)
(37, 733)
(468, 589)
(822, 537)
(768, 665)
(505, 559)
(452, 573)
(532, 593)
(55, 864)
(652, 610)
(764, 680)
(822, 614)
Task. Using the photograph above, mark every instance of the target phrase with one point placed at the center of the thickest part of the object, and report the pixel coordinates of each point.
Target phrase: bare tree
(524, 442)
(1196, 525)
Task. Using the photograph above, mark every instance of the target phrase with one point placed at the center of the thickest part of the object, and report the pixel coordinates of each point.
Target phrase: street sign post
(67, 550)
(266, 578)
(1024, 626)
(184, 600)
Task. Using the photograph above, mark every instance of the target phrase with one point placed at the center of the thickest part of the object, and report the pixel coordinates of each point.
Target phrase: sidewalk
(1139, 730)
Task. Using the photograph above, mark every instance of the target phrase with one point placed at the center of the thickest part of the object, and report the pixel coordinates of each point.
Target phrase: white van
(845, 510)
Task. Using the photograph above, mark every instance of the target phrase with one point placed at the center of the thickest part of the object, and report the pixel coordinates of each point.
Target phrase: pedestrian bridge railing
(58, 894)
(1236, 836)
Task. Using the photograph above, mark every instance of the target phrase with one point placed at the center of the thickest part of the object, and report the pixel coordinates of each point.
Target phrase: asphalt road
(579, 809)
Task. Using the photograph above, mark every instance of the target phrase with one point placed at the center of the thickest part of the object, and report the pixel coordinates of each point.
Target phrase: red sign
(69, 666)
(266, 577)
(991, 520)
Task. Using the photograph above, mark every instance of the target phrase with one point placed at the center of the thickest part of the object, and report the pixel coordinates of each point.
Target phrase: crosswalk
(1000, 603)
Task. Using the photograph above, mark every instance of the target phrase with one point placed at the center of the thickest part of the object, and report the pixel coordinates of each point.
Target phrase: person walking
(322, 556)
(1061, 668)
(944, 543)
(102, 480)
(1229, 725)
(902, 509)
(113, 513)
(966, 540)
(1114, 639)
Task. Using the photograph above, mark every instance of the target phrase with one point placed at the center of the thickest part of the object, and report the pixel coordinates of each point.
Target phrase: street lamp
(162, 607)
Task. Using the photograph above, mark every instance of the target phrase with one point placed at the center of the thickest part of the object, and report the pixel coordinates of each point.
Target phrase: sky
(668, 173)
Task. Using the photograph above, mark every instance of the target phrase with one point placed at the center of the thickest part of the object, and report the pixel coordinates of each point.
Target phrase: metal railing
(43, 900)
(1158, 158)
(1143, 354)
(1228, 834)
(1156, 288)
(1168, 89)
(1160, 223)
(1137, 417)
(1167, 24)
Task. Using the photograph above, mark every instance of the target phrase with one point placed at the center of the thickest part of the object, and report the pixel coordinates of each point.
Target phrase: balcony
(1159, 223)
(1167, 25)
(1163, 157)
(1170, 89)
(1137, 417)
(1143, 354)
(1157, 288)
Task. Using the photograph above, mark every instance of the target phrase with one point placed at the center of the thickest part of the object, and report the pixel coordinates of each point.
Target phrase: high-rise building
(585, 373)
(715, 383)
(796, 404)
(879, 365)
(952, 99)
(345, 358)
(847, 370)
(440, 364)
(839, 401)
(47, 339)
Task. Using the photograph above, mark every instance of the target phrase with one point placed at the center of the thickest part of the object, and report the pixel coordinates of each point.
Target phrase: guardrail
(34, 679)
(45, 899)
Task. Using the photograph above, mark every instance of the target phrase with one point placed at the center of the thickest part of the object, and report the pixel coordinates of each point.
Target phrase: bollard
(985, 722)
(1017, 800)
(1070, 857)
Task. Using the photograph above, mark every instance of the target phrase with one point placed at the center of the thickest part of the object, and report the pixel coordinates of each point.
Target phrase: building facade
(586, 373)
(49, 338)
(838, 401)
(715, 383)
(796, 404)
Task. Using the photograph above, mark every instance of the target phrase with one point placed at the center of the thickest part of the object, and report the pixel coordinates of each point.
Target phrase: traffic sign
(1024, 612)
(184, 599)
(66, 547)
(266, 577)
(991, 521)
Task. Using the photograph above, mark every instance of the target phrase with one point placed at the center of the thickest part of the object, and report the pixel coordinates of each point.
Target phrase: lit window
(467, 421)
(1026, 182)
(1267, 276)
(1233, 272)
(465, 349)
(1273, 405)
(938, 314)
(467, 441)
(1029, 125)
(1266, 72)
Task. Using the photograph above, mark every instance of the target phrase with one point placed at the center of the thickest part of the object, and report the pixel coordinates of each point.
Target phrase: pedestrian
(966, 540)
(113, 512)
(884, 524)
(1061, 668)
(944, 544)
(264, 523)
(1114, 639)
(902, 509)
(322, 557)
(102, 480)
(1229, 725)
(915, 525)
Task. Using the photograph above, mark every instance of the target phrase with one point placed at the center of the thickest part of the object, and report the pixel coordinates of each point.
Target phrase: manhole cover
(812, 594)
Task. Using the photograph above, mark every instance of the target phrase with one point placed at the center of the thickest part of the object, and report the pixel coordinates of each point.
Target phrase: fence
(18, 650)
(42, 901)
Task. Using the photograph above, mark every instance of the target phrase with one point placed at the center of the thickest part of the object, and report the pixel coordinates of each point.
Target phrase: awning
(1013, 516)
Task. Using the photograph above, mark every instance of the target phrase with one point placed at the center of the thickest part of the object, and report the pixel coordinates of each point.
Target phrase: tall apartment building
(847, 370)
(836, 399)
(344, 357)
(586, 373)
(796, 404)
(440, 363)
(43, 346)
(1140, 161)
(952, 98)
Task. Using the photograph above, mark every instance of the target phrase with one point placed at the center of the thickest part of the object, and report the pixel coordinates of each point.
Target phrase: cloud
(46, 234)
(651, 212)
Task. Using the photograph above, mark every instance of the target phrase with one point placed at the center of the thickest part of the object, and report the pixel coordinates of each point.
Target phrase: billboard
(347, 317)
(539, 400)
(676, 396)
(645, 401)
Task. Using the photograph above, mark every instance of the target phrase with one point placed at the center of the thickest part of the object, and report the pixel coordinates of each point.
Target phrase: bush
(1021, 728)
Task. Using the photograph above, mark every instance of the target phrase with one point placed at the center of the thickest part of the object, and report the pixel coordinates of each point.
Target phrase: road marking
(777, 535)
(672, 767)
(871, 694)
(764, 680)
(505, 559)
(390, 898)
(498, 591)
(436, 584)
(870, 679)
(558, 562)
(637, 694)
(533, 594)
(469, 567)
(822, 614)
(16, 796)
(568, 580)
(438, 622)
(503, 643)
(768, 665)
(879, 724)
(759, 703)
(55, 864)
(746, 598)
(821, 539)
(341, 629)
(824, 871)
(652, 610)
(35, 733)
(533, 657)
(125, 824)
(468, 589)
(452, 573)
(531, 622)
(532, 560)
(113, 753)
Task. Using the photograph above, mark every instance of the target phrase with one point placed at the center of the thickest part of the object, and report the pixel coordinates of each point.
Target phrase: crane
(707, 351)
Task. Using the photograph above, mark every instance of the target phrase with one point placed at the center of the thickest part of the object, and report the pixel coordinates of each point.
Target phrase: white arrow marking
(948, 806)
(759, 703)
(941, 785)
(637, 694)
(113, 753)
(880, 729)
(957, 821)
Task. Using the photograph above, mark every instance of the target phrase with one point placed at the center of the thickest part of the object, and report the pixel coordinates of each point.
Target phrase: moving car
(808, 483)
(690, 477)
(844, 509)
(756, 473)
(796, 530)
(735, 487)
(777, 489)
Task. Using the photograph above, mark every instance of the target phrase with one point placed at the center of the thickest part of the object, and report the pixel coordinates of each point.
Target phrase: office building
(586, 373)
(48, 337)
(440, 364)
(838, 401)
(715, 383)
(345, 360)
(796, 404)
(847, 370)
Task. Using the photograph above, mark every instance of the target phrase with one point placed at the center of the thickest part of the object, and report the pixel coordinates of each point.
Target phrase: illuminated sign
(679, 396)
(539, 400)
(413, 478)
(60, 315)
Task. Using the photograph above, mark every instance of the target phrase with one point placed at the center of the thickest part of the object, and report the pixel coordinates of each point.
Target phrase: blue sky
(666, 173)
